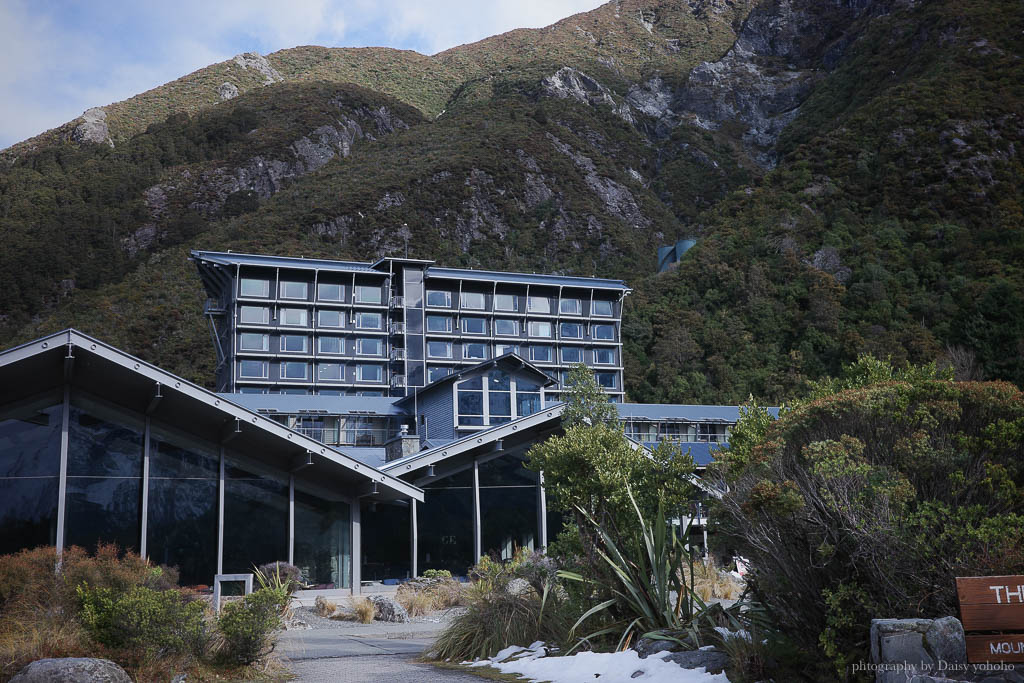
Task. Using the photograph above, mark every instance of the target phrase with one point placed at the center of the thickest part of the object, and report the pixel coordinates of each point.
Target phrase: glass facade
(323, 545)
(255, 519)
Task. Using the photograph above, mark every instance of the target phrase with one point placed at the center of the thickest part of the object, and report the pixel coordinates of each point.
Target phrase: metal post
(220, 515)
(62, 486)
(145, 492)
(413, 540)
(477, 545)
(291, 519)
(542, 514)
(357, 548)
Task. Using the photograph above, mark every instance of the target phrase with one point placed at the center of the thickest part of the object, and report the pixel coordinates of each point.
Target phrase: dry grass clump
(324, 607)
(442, 592)
(709, 581)
(363, 608)
(415, 602)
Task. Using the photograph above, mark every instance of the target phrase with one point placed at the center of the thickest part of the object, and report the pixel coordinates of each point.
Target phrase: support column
(413, 540)
(143, 552)
(220, 515)
(357, 548)
(291, 519)
(62, 485)
(542, 514)
(477, 545)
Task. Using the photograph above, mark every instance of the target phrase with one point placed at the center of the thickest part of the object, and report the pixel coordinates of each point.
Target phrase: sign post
(993, 603)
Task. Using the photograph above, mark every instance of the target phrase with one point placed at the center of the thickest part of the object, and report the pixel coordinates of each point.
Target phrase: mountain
(851, 172)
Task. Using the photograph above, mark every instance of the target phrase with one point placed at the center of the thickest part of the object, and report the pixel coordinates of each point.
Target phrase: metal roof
(294, 404)
(227, 258)
(462, 372)
(682, 413)
(527, 278)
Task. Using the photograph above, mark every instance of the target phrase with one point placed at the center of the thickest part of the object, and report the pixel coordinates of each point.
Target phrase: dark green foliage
(247, 626)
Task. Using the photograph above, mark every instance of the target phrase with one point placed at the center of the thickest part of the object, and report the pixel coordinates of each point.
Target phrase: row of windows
(299, 317)
(325, 291)
(494, 399)
(507, 327)
(299, 370)
(297, 391)
(538, 353)
(477, 301)
(298, 343)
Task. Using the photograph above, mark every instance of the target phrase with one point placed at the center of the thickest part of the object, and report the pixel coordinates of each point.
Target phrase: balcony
(397, 354)
(398, 380)
(333, 436)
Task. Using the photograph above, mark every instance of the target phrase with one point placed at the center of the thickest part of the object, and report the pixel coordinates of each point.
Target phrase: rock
(93, 127)
(574, 84)
(227, 91)
(714, 661)
(517, 587)
(945, 639)
(920, 644)
(645, 647)
(258, 63)
(72, 670)
(386, 609)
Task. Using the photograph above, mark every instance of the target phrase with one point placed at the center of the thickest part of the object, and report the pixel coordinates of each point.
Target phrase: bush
(363, 608)
(437, 574)
(280, 574)
(415, 602)
(247, 626)
(867, 503)
(324, 607)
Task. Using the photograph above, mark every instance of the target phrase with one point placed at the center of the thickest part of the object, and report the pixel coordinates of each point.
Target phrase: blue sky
(60, 57)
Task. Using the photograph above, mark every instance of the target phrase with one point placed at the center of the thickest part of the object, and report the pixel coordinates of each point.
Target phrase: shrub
(868, 503)
(247, 626)
(363, 608)
(280, 574)
(437, 574)
(415, 602)
(324, 607)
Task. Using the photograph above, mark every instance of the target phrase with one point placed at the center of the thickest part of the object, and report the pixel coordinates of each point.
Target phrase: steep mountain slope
(852, 173)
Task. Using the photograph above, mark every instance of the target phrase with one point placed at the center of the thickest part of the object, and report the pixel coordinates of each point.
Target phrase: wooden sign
(992, 603)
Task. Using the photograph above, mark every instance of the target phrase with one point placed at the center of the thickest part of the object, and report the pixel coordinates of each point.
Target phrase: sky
(61, 57)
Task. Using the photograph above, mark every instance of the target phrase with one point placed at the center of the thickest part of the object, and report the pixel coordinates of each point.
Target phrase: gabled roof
(229, 258)
(70, 357)
(509, 361)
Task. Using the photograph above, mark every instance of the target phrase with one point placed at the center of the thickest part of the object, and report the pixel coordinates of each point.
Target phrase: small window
(253, 287)
(369, 393)
(328, 371)
(569, 306)
(326, 291)
(604, 356)
(572, 354)
(327, 318)
(369, 373)
(439, 349)
(294, 370)
(502, 349)
(508, 328)
(366, 294)
(603, 308)
(474, 300)
(259, 315)
(541, 354)
(474, 326)
(570, 331)
(439, 323)
(439, 298)
(474, 351)
(296, 392)
(539, 304)
(250, 341)
(540, 328)
(602, 331)
(436, 372)
(252, 368)
(330, 345)
(370, 347)
(368, 321)
(293, 343)
(605, 379)
(330, 392)
(294, 316)
(506, 302)
(294, 290)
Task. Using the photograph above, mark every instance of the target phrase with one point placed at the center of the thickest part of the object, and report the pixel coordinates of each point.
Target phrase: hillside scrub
(867, 502)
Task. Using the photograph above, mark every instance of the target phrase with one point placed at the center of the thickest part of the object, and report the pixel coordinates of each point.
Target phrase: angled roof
(527, 278)
(70, 357)
(229, 258)
(509, 360)
(669, 412)
(294, 404)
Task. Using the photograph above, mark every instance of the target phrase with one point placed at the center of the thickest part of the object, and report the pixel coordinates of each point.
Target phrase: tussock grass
(416, 602)
(363, 608)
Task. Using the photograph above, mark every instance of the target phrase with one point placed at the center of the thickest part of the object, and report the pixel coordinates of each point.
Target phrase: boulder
(386, 609)
(714, 661)
(72, 670)
(517, 586)
(645, 647)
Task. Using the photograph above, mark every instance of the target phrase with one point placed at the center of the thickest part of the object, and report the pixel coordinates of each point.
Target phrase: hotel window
(602, 308)
(473, 300)
(294, 370)
(474, 325)
(602, 331)
(330, 392)
(570, 331)
(369, 373)
(294, 316)
(330, 345)
(368, 321)
(471, 402)
(252, 368)
(605, 379)
(539, 304)
(253, 287)
(296, 392)
(540, 328)
(326, 291)
(326, 318)
(604, 356)
(250, 341)
(328, 371)
(259, 315)
(293, 343)
(508, 328)
(439, 349)
(506, 302)
(439, 323)
(436, 372)
(294, 290)
(502, 349)
(569, 306)
(495, 398)
(474, 351)
(437, 297)
(541, 354)
(370, 347)
(366, 294)
(572, 354)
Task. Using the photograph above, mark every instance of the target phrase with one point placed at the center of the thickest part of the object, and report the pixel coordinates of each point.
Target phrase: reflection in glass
(29, 447)
(446, 530)
(323, 548)
(255, 520)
